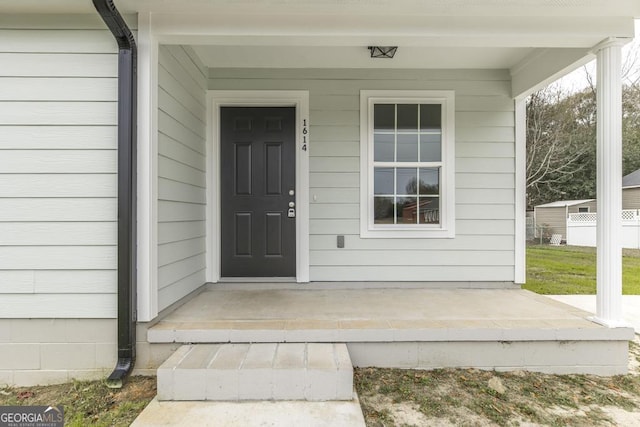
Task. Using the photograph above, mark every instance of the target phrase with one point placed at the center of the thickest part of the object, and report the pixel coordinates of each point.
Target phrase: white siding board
(58, 137)
(76, 281)
(334, 149)
(63, 21)
(333, 133)
(486, 119)
(337, 211)
(176, 231)
(17, 282)
(334, 226)
(493, 211)
(335, 195)
(178, 211)
(485, 149)
(62, 41)
(57, 233)
(175, 130)
(334, 164)
(171, 106)
(345, 87)
(332, 117)
(484, 180)
(181, 153)
(460, 243)
(58, 161)
(476, 273)
(48, 306)
(174, 170)
(168, 295)
(58, 185)
(58, 92)
(334, 180)
(175, 68)
(179, 192)
(57, 257)
(56, 210)
(189, 66)
(484, 134)
(362, 75)
(58, 113)
(485, 196)
(485, 165)
(59, 65)
(176, 251)
(410, 258)
(171, 273)
(484, 103)
(335, 102)
(485, 227)
(58, 89)
(181, 174)
(173, 86)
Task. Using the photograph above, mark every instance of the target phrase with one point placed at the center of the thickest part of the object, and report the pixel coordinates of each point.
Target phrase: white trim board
(261, 98)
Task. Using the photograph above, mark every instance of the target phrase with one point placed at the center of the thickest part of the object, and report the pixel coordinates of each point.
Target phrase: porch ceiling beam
(543, 66)
(428, 31)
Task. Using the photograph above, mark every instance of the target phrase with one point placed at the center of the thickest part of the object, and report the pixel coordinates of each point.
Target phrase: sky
(577, 80)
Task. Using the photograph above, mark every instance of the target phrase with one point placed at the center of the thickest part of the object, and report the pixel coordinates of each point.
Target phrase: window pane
(383, 181)
(383, 210)
(384, 117)
(430, 181)
(430, 117)
(430, 148)
(383, 147)
(407, 181)
(407, 210)
(429, 210)
(407, 117)
(407, 148)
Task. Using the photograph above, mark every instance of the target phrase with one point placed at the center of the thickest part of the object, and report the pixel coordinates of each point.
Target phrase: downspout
(127, 119)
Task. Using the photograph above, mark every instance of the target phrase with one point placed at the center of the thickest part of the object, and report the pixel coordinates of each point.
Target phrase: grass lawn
(565, 270)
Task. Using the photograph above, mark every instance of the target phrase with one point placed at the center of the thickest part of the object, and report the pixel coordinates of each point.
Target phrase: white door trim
(251, 98)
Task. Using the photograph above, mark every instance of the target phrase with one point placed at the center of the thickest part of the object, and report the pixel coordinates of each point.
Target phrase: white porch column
(609, 183)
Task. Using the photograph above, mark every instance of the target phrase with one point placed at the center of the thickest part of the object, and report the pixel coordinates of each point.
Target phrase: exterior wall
(554, 219)
(58, 163)
(631, 198)
(591, 205)
(483, 249)
(181, 173)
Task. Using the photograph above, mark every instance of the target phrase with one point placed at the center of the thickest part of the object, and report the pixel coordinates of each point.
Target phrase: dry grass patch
(88, 402)
(482, 398)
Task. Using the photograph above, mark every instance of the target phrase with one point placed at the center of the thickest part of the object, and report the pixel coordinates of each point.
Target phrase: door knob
(292, 204)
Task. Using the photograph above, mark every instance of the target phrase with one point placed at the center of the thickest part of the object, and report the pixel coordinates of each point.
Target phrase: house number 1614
(305, 131)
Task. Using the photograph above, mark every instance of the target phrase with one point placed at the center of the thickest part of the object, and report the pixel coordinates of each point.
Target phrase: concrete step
(261, 371)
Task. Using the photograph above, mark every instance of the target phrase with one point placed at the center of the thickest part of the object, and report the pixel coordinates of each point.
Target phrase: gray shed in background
(631, 190)
(551, 218)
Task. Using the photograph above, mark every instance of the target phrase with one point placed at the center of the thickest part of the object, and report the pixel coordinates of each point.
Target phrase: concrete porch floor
(502, 329)
(263, 313)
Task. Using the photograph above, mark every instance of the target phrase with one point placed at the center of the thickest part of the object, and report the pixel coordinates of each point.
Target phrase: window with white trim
(407, 163)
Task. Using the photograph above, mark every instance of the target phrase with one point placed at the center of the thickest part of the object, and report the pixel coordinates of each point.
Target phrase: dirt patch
(442, 397)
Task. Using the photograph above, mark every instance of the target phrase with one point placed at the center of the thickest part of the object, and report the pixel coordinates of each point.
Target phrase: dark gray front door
(257, 162)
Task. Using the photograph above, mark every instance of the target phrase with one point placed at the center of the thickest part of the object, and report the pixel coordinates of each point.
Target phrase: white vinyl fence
(581, 229)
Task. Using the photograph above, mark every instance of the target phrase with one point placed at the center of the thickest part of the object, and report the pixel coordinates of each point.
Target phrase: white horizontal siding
(181, 174)
(483, 249)
(58, 218)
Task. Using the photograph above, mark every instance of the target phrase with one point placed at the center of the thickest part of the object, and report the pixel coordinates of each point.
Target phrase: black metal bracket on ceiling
(383, 51)
(127, 119)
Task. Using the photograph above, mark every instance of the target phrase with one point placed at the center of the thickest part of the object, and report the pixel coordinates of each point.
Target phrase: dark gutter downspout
(127, 119)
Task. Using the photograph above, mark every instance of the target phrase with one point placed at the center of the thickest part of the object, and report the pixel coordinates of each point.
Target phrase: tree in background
(561, 137)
